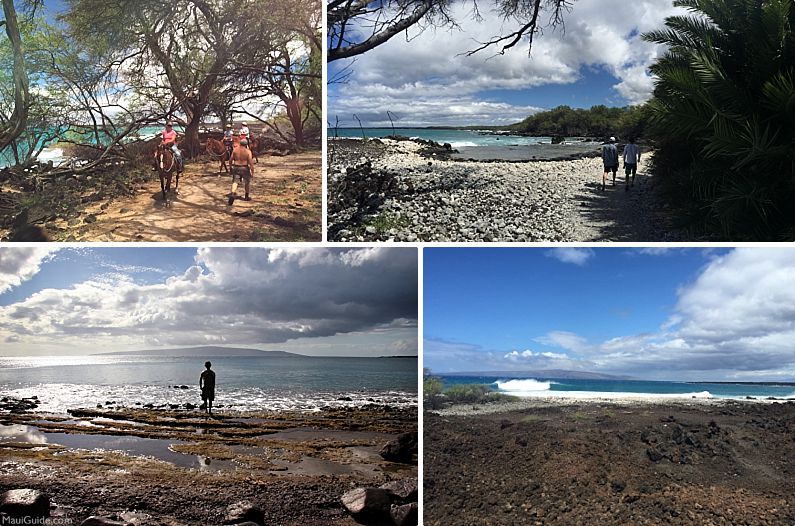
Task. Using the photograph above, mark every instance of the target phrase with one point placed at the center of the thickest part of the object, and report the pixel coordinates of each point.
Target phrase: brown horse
(166, 167)
(217, 150)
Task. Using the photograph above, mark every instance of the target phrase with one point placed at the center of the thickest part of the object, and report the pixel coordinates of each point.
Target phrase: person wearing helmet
(229, 139)
(242, 164)
(610, 160)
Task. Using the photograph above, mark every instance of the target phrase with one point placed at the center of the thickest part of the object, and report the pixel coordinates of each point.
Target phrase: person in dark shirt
(207, 385)
(610, 160)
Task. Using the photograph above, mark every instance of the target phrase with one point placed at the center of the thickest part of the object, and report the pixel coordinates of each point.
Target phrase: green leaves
(725, 95)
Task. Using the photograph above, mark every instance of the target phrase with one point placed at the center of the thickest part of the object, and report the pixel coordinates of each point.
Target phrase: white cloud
(238, 296)
(575, 256)
(429, 80)
(19, 264)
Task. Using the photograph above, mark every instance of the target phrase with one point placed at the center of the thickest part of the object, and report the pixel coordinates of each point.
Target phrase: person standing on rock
(242, 163)
(207, 386)
(631, 161)
(610, 160)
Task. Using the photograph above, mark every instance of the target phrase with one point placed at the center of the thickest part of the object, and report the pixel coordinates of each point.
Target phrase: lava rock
(406, 515)
(403, 491)
(24, 503)
(244, 512)
(367, 504)
(402, 449)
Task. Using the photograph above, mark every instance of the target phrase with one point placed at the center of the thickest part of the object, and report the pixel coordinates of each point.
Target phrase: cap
(244, 123)
(612, 139)
(244, 142)
(228, 125)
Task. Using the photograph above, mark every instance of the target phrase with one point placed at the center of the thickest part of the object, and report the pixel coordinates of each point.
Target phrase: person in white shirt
(244, 132)
(631, 161)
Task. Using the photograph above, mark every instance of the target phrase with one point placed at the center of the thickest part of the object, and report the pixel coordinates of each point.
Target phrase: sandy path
(286, 205)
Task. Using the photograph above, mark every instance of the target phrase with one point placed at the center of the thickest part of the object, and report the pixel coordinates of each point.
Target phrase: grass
(385, 222)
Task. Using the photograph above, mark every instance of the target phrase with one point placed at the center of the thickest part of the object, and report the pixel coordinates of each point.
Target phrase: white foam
(601, 395)
(519, 386)
(463, 144)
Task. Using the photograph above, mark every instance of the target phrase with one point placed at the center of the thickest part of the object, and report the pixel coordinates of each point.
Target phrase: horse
(253, 145)
(166, 167)
(217, 150)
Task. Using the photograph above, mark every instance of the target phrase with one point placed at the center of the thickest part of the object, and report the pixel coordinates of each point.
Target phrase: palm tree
(724, 110)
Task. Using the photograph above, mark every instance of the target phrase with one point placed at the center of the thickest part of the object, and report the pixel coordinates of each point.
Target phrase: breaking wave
(519, 386)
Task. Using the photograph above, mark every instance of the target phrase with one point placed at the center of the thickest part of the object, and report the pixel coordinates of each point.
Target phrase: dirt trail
(286, 205)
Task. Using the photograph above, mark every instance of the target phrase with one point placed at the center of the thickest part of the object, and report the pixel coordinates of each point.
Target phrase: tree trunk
(18, 120)
(294, 114)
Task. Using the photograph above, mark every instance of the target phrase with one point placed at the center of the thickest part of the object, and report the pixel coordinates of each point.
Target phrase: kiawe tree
(12, 125)
(357, 26)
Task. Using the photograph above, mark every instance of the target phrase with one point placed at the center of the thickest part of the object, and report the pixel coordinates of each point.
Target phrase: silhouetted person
(207, 385)
(631, 161)
(610, 160)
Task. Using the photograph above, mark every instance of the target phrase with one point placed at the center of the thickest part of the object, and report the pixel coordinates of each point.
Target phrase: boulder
(406, 515)
(367, 504)
(402, 449)
(244, 512)
(19, 503)
(403, 491)
(102, 521)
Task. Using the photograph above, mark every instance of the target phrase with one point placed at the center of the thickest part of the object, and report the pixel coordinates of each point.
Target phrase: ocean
(242, 383)
(552, 387)
(55, 154)
(473, 144)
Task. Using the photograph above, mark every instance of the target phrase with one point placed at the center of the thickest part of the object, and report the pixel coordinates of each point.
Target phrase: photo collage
(397, 263)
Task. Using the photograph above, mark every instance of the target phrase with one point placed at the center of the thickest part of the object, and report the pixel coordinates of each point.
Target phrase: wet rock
(404, 490)
(367, 504)
(102, 521)
(23, 503)
(402, 449)
(244, 512)
(406, 515)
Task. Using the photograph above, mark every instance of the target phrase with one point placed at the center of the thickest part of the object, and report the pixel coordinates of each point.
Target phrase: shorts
(208, 394)
(630, 168)
(241, 172)
(611, 168)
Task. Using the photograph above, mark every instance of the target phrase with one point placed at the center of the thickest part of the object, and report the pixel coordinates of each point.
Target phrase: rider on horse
(170, 141)
(229, 139)
(244, 132)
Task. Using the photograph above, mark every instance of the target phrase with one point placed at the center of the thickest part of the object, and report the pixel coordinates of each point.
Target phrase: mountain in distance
(547, 373)
(204, 351)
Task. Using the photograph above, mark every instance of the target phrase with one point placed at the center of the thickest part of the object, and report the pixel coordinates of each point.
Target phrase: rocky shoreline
(386, 190)
(289, 468)
(578, 463)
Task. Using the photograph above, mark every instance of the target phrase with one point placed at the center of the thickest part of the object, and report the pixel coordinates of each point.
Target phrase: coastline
(556, 463)
(384, 190)
(179, 467)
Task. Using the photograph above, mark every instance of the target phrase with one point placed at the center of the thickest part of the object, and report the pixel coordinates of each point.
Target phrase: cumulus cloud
(429, 80)
(575, 256)
(19, 264)
(238, 296)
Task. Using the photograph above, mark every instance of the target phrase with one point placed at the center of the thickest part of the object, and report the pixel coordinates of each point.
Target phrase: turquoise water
(552, 386)
(52, 152)
(243, 383)
(456, 138)
(482, 146)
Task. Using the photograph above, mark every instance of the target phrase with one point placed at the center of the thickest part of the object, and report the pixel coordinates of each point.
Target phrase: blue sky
(678, 314)
(597, 58)
(323, 302)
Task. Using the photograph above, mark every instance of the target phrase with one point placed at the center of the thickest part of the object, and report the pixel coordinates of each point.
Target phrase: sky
(652, 314)
(313, 301)
(598, 57)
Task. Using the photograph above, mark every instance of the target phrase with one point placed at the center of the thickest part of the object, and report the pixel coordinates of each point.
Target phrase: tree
(723, 112)
(357, 26)
(13, 125)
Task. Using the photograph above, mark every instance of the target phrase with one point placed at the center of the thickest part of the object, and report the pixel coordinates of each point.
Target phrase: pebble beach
(406, 193)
